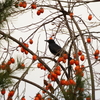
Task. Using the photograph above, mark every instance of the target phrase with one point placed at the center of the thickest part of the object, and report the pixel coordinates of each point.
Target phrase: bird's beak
(46, 40)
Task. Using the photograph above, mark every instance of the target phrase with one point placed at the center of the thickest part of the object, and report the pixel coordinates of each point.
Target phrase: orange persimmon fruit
(34, 57)
(12, 60)
(72, 61)
(41, 10)
(88, 40)
(31, 41)
(33, 5)
(89, 17)
(82, 57)
(3, 91)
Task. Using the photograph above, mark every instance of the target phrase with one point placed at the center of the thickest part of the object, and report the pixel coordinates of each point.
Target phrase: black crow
(58, 51)
(55, 48)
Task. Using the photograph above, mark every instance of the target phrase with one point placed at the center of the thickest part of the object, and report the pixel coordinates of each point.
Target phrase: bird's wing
(54, 48)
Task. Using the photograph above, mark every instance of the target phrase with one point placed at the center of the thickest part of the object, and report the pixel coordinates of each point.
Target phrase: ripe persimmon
(53, 74)
(43, 67)
(41, 10)
(23, 98)
(79, 52)
(39, 95)
(88, 98)
(49, 76)
(26, 52)
(39, 65)
(24, 4)
(12, 60)
(77, 68)
(36, 98)
(9, 62)
(64, 61)
(89, 17)
(96, 57)
(67, 82)
(72, 61)
(3, 66)
(71, 14)
(34, 57)
(65, 56)
(76, 62)
(21, 4)
(25, 44)
(58, 72)
(38, 12)
(58, 68)
(60, 59)
(82, 57)
(88, 40)
(72, 82)
(53, 79)
(33, 5)
(22, 49)
(31, 41)
(22, 65)
(63, 82)
(96, 52)
(3, 91)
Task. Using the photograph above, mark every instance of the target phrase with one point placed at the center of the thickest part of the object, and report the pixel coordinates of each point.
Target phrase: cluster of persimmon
(96, 53)
(41, 10)
(67, 82)
(10, 95)
(63, 58)
(53, 75)
(4, 65)
(82, 57)
(23, 4)
(26, 45)
(79, 70)
(73, 61)
(48, 87)
(41, 66)
(22, 49)
(11, 60)
(33, 6)
(38, 97)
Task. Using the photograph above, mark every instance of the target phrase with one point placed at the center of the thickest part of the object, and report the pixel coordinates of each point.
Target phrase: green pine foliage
(6, 9)
(5, 80)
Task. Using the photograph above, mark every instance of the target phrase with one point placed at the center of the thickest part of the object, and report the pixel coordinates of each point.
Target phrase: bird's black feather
(55, 48)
